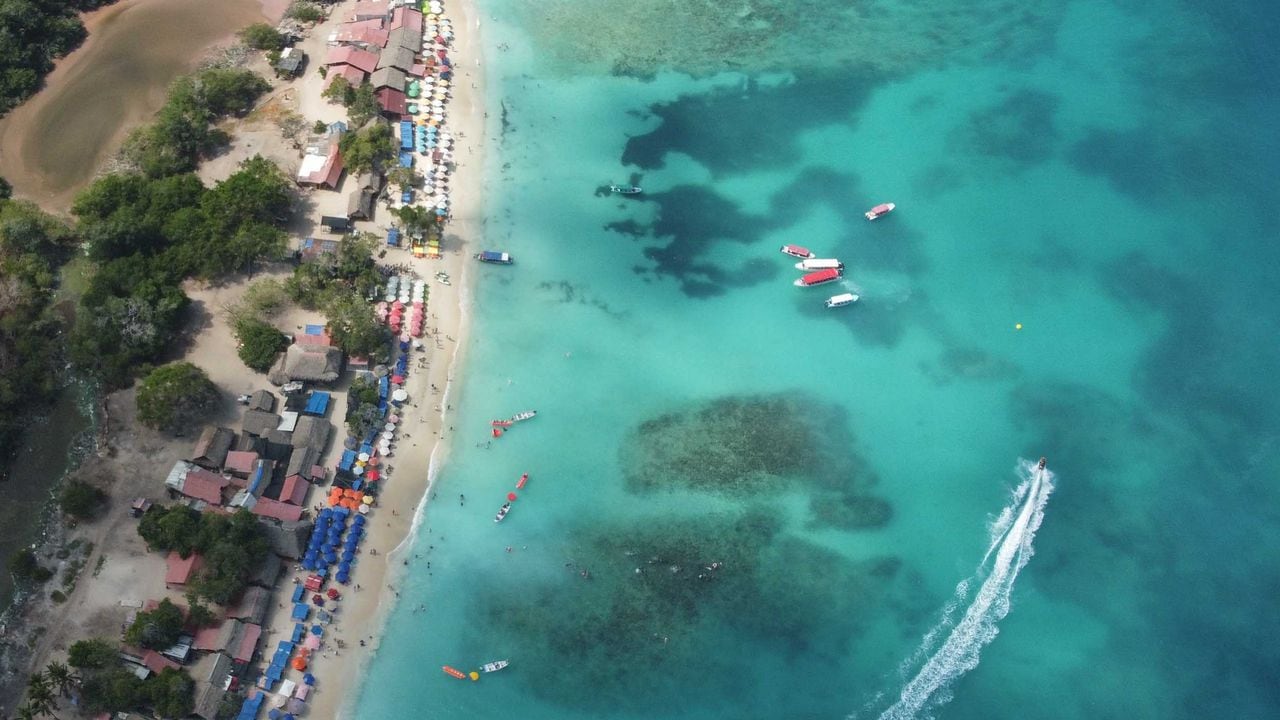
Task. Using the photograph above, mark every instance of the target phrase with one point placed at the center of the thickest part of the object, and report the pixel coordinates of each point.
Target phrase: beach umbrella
(348, 555)
(333, 593)
(299, 663)
(357, 524)
(318, 599)
(274, 714)
(343, 577)
(309, 679)
(364, 509)
(400, 395)
(397, 379)
(364, 457)
(372, 475)
(318, 631)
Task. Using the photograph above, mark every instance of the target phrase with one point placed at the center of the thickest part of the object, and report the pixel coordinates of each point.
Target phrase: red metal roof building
(369, 33)
(355, 57)
(248, 643)
(392, 101)
(406, 17)
(266, 507)
(204, 485)
(179, 569)
(240, 462)
(319, 171)
(155, 662)
(295, 489)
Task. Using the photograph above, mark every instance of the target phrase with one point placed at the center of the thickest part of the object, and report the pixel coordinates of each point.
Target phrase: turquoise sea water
(1103, 173)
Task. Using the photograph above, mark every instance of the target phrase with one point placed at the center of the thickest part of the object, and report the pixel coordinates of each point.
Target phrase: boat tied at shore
(493, 257)
(796, 251)
(841, 300)
(820, 277)
(495, 666)
(880, 210)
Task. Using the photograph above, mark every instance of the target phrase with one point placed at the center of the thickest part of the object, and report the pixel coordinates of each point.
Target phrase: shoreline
(365, 613)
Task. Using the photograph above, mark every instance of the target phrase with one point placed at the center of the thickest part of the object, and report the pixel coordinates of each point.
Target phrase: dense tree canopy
(371, 147)
(151, 233)
(33, 33)
(176, 397)
(91, 654)
(233, 547)
(260, 343)
(156, 629)
(261, 36)
(183, 131)
(81, 500)
(33, 246)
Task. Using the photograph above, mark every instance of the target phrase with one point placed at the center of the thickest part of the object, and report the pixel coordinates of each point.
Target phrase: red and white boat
(881, 209)
(523, 479)
(818, 278)
(797, 251)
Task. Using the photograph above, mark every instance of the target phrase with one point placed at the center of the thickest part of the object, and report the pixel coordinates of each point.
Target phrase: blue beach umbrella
(359, 521)
(342, 577)
(309, 679)
(317, 631)
(348, 556)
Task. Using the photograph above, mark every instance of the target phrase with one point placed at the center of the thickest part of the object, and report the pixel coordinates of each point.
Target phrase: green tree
(354, 328)
(81, 500)
(319, 128)
(264, 298)
(416, 219)
(60, 678)
(260, 343)
(92, 654)
(176, 397)
(338, 90)
(261, 36)
(157, 629)
(26, 712)
(40, 696)
(305, 12)
(172, 693)
(174, 528)
(362, 105)
(368, 148)
(403, 178)
(6, 190)
(112, 689)
(25, 568)
(199, 614)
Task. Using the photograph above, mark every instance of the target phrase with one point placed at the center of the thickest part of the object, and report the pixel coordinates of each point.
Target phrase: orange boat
(523, 479)
(454, 672)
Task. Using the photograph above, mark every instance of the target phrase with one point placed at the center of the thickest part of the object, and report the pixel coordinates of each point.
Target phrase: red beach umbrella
(333, 594)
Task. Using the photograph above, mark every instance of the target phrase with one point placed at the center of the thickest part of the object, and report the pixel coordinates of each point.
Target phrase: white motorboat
(841, 300)
(495, 666)
(811, 264)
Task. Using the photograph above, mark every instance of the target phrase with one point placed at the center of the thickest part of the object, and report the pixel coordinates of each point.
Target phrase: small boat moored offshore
(523, 479)
(796, 251)
(841, 300)
(818, 278)
(497, 258)
(502, 512)
(881, 209)
(523, 415)
(625, 189)
(811, 264)
(495, 666)
(454, 672)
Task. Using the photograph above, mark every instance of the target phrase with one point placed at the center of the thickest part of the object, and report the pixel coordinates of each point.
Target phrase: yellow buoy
(474, 676)
(1018, 326)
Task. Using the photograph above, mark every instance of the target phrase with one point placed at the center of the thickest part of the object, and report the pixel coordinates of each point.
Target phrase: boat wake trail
(951, 647)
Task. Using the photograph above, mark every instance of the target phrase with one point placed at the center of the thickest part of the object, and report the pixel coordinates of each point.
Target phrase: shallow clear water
(1102, 173)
